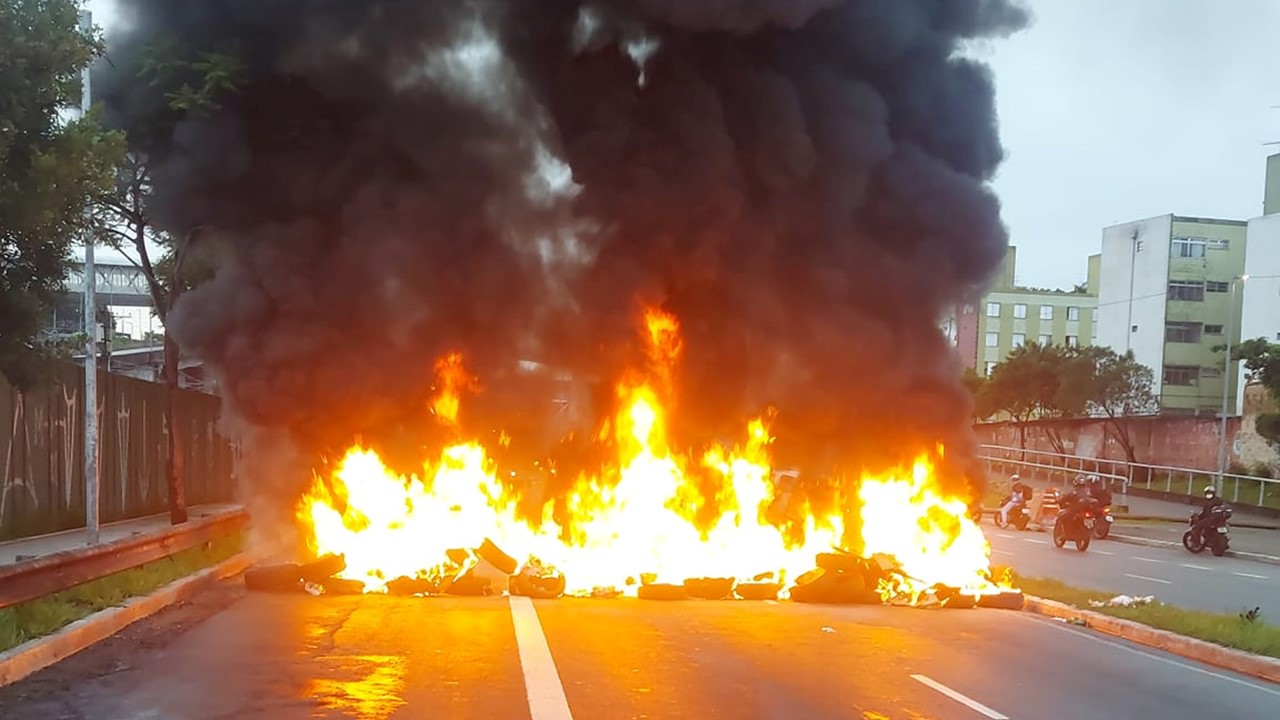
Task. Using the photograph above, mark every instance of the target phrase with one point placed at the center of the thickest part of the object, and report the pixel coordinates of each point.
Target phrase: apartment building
(1009, 315)
(1260, 314)
(1170, 291)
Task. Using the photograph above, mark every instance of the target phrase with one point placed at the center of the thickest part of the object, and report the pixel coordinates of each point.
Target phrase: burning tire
(758, 590)
(709, 588)
(662, 591)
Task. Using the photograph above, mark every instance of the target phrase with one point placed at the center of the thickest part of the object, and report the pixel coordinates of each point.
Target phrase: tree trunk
(174, 470)
(1120, 431)
(1055, 439)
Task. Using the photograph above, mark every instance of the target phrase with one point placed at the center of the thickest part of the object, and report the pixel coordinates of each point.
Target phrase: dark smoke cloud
(803, 182)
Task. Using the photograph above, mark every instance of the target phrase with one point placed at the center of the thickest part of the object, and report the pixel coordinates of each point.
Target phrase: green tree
(1023, 386)
(1119, 389)
(50, 168)
(1261, 360)
(171, 260)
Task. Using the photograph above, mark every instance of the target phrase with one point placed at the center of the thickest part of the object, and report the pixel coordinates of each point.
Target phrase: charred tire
(1059, 535)
(1189, 542)
(1083, 543)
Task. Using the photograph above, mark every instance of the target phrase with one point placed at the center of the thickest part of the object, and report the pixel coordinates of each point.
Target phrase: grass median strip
(39, 617)
(1231, 630)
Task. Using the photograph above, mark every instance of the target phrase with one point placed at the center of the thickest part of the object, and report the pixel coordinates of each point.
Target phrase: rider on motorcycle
(1018, 495)
(1073, 503)
(1211, 501)
(1098, 490)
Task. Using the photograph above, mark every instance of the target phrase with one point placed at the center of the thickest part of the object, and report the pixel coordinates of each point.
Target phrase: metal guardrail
(31, 579)
(1160, 478)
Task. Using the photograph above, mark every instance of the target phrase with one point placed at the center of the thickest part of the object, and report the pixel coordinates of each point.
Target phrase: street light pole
(1226, 382)
(91, 353)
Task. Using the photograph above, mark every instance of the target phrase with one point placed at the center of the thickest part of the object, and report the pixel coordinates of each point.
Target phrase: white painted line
(541, 681)
(1089, 635)
(963, 700)
(1005, 535)
(1146, 559)
(1038, 542)
(1104, 552)
(1251, 575)
(1144, 577)
(1002, 552)
(1197, 567)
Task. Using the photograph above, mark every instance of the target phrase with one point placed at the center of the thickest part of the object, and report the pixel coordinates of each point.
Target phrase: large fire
(638, 517)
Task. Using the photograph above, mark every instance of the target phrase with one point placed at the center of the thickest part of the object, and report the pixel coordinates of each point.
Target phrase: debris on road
(1123, 601)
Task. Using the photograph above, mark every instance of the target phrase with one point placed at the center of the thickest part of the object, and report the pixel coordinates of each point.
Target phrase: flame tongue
(652, 511)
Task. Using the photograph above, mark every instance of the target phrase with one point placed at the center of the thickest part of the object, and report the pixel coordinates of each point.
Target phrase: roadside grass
(1256, 636)
(39, 617)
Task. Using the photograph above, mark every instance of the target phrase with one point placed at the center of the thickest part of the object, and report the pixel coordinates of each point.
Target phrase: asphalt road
(376, 657)
(1173, 575)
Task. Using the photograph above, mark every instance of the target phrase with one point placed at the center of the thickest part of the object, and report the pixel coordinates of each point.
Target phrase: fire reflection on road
(375, 695)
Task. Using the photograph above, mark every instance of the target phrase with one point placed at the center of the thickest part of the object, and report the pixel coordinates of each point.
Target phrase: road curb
(35, 655)
(1246, 663)
(1147, 542)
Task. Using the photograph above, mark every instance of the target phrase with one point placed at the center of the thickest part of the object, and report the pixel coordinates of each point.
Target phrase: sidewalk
(75, 539)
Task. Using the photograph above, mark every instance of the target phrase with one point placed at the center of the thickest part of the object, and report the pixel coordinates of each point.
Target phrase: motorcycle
(1019, 516)
(1213, 533)
(1102, 528)
(1079, 531)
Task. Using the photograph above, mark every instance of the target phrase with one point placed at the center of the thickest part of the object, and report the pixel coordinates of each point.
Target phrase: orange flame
(453, 379)
(650, 511)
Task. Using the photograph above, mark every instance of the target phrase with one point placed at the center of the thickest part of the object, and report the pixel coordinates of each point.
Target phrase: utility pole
(91, 352)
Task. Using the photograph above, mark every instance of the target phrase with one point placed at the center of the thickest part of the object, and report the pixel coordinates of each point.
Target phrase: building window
(1216, 286)
(993, 309)
(1181, 374)
(1185, 247)
(1210, 372)
(1219, 244)
(1187, 290)
(1046, 312)
(993, 340)
(1046, 340)
(1073, 313)
(1073, 340)
(1182, 332)
(1212, 329)
(991, 366)
(1139, 246)
(1020, 311)
(1019, 339)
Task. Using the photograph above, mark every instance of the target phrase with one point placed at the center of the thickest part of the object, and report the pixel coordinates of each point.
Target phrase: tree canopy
(1262, 364)
(50, 167)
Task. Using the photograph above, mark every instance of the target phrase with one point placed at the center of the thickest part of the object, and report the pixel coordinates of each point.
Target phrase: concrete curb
(35, 655)
(1147, 542)
(1246, 663)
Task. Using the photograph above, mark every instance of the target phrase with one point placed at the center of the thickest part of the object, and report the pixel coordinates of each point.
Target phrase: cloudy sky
(1114, 110)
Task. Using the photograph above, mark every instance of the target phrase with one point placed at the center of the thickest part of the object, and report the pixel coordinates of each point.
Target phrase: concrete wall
(1250, 447)
(1173, 440)
(1133, 285)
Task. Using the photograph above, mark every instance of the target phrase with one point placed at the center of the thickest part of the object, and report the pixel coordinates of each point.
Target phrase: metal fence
(42, 451)
(1240, 489)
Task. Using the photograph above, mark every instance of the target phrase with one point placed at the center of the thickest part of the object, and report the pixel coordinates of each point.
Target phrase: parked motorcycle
(1214, 533)
(1078, 530)
(1019, 516)
(1102, 528)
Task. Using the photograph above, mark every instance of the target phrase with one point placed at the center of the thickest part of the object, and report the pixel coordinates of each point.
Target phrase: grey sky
(1113, 110)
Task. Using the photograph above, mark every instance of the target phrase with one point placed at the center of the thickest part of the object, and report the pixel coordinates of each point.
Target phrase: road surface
(377, 657)
(1173, 575)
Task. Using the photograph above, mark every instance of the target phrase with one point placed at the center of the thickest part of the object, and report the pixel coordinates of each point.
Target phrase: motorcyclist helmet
(1079, 481)
(1014, 478)
(1210, 491)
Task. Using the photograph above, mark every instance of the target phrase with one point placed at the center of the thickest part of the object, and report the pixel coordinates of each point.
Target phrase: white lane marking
(963, 700)
(1088, 635)
(1197, 567)
(1038, 542)
(1005, 535)
(1002, 552)
(1144, 577)
(1146, 559)
(541, 681)
(1104, 552)
(1251, 575)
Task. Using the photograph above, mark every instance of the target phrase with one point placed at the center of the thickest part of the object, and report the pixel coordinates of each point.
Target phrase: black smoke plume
(802, 182)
